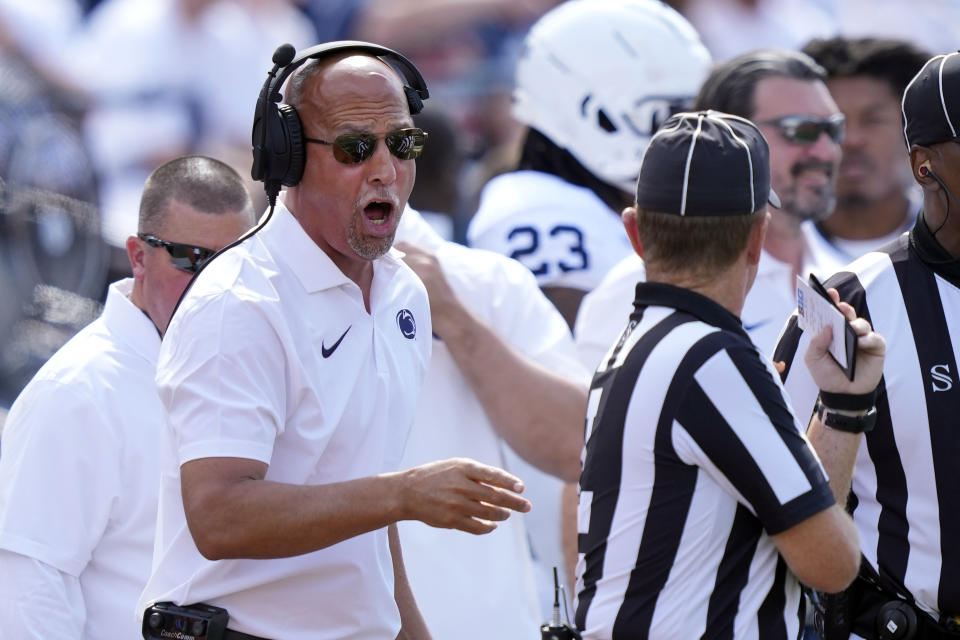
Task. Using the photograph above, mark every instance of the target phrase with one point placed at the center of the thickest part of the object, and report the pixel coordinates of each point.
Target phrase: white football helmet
(598, 77)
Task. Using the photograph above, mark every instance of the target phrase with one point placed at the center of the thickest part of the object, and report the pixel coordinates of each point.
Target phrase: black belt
(230, 634)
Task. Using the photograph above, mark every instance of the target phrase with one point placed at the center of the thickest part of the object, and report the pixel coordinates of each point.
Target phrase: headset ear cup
(293, 132)
(260, 141)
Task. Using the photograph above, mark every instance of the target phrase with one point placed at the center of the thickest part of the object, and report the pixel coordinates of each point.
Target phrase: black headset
(278, 147)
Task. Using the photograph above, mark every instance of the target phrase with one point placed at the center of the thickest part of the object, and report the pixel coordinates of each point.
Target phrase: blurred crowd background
(98, 93)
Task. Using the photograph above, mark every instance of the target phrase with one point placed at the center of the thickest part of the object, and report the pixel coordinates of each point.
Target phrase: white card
(814, 312)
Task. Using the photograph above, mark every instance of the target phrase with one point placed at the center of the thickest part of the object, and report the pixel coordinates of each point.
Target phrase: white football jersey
(563, 233)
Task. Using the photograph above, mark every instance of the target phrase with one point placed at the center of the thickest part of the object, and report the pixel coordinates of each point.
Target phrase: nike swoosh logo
(756, 325)
(329, 352)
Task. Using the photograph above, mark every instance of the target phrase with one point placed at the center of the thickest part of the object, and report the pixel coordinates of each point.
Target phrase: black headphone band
(396, 60)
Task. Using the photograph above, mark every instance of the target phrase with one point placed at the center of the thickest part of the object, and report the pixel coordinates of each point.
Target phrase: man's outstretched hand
(460, 493)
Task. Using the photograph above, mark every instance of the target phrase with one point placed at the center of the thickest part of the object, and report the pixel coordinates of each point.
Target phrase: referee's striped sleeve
(735, 424)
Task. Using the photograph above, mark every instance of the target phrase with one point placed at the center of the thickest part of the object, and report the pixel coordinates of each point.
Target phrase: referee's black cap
(931, 102)
(706, 163)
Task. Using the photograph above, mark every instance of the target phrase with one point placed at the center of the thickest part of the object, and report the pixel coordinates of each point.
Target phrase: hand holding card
(816, 309)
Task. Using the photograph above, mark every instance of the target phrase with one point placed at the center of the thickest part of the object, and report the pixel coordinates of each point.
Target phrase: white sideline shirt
(273, 357)
(563, 233)
(456, 576)
(79, 477)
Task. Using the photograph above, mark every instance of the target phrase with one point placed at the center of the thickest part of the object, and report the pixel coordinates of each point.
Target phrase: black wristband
(850, 424)
(849, 401)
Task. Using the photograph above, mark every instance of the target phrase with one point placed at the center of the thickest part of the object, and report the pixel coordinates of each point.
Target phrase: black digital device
(896, 620)
(166, 621)
(849, 335)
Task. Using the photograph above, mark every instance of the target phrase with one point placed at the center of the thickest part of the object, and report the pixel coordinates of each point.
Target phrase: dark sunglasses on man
(185, 257)
(354, 148)
(807, 129)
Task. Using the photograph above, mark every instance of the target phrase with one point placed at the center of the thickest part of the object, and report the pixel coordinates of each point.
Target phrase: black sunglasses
(807, 129)
(186, 257)
(354, 148)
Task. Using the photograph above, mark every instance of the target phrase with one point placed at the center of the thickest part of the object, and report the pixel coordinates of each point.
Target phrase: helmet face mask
(622, 136)
(598, 76)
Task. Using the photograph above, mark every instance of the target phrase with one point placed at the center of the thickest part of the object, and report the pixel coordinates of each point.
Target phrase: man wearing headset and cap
(903, 494)
(702, 504)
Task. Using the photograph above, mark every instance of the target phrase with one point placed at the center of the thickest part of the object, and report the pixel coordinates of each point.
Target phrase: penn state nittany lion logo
(408, 326)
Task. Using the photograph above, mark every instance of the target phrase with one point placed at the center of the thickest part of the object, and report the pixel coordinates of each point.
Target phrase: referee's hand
(461, 493)
(871, 348)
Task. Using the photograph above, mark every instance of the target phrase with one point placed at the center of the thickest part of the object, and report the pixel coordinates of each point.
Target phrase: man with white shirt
(80, 472)
(290, 377)
(503, 387)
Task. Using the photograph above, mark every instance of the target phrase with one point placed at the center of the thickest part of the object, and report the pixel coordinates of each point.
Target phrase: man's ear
(629, 217)
(758, 234)
(137, 254)
(920, 158)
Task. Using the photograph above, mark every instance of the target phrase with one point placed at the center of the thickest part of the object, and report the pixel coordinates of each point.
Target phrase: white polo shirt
(273, 357)
(563, 233)
(79, 477)
(455, 576)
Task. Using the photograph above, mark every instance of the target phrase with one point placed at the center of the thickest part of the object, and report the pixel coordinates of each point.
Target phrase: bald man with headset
(290, 378)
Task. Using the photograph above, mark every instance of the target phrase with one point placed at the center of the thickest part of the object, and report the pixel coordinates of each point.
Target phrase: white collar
(312, 267)
(130, 323)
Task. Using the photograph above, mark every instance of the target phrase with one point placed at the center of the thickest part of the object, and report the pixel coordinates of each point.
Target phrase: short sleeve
(59, 476)
(734, 423)
(220, 377)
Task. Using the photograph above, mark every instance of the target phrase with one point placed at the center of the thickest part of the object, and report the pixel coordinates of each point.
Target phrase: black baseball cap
(706, 163)
(931, 102)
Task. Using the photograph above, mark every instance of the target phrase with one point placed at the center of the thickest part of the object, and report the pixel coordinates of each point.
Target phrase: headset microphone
(282, 57)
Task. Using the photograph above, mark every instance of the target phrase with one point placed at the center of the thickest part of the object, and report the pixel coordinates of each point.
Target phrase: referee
(905, 494)
(701, 502)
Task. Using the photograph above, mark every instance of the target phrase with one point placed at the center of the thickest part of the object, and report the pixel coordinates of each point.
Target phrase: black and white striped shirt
(906, 482)
(693, 459)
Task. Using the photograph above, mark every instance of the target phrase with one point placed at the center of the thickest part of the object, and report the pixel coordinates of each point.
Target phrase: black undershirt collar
(932, 253)
(666, 295)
